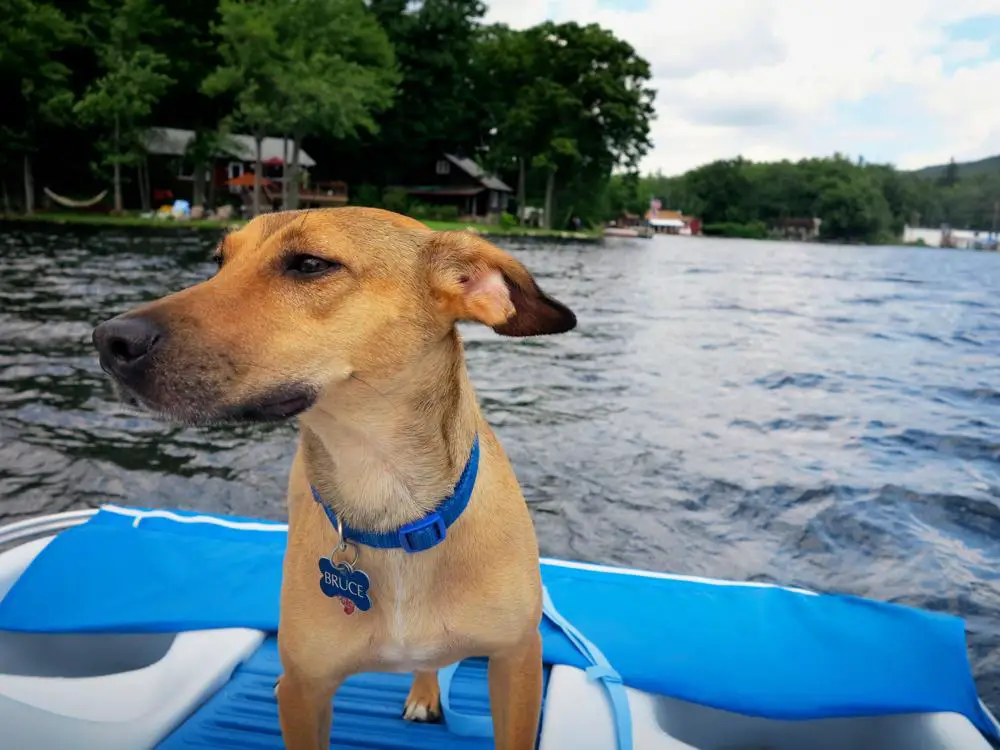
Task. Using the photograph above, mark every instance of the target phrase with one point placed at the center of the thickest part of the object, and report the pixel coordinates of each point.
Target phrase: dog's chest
(420, 621)
(401, 657)
(415, 634)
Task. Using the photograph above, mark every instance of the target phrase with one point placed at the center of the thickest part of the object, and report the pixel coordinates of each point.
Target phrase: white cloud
(792, 78)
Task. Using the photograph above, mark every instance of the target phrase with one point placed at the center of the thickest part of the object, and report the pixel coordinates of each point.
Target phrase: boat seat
(112, 691)
(578, 715)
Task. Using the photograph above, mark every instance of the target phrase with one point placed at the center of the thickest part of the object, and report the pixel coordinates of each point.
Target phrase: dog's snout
(125, 343)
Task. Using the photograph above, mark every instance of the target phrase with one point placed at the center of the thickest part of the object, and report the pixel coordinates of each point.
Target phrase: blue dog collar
(425, 532)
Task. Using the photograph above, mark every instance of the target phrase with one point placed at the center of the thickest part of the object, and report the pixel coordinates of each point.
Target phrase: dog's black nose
(126, 343)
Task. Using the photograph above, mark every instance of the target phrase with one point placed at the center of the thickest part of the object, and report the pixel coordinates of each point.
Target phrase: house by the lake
(665, 221)
(451, 180)
(944, 236)
(172, 175)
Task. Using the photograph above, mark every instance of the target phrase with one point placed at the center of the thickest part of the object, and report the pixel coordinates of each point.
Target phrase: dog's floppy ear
(475, 280)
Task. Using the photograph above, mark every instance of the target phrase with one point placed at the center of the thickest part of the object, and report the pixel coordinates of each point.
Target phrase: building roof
(474, 170)
(174, 142)
(443, 191)
(665, 214)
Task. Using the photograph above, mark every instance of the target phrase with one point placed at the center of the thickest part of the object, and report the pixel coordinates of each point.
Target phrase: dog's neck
(383, 453)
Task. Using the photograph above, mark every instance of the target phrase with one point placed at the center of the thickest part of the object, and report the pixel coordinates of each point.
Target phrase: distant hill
(989, 164)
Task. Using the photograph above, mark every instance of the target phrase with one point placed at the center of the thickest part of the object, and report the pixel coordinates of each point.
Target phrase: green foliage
(507, 221)
(754, 230)
(434, 212)
(566, 99)
(366, 195)
(966, 169)
(303, 68)
(949, 178)
(122, 34)
(251, 56)
(396, 199)
(436, 106)
(336, 68)
(854, 210)
(857, 201)
(31, 36)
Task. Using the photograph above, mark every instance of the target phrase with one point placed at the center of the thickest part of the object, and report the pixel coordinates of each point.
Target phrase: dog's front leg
(305, 710)
(515, 678)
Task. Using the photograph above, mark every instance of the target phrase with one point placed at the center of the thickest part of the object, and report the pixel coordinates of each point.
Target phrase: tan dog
(346, 318)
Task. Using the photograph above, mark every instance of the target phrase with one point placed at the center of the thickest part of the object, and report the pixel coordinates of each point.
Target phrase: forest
(374, 88)
(371, 89)
(857, 201)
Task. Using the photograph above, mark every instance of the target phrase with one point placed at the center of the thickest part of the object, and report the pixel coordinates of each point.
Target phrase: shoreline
(131, 221)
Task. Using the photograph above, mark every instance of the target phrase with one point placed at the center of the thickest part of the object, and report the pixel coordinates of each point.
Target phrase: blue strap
(464, 725)
(425, 532)
(602, 670)
(468, 725)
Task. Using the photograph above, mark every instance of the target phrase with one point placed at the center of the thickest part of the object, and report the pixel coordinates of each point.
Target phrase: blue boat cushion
(751, 648)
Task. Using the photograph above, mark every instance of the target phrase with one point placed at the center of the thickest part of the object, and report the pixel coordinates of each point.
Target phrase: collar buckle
(423, 534)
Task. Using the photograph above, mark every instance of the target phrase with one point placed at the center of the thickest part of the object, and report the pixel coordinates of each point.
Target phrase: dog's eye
(309, 265)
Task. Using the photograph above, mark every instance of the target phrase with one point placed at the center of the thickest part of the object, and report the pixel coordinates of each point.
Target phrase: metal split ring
(342, 546)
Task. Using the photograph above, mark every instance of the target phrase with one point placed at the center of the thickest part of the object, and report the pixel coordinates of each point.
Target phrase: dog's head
(304, 301)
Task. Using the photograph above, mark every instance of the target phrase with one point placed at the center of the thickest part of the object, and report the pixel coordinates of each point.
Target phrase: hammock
(70, 203)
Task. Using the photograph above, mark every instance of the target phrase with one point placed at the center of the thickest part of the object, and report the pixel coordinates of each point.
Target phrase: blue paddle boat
(126, 628)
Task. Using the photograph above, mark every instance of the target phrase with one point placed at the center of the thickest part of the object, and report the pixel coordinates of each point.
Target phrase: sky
(908, 82)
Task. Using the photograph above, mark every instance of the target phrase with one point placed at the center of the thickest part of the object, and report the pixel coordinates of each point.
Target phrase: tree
(437, 106)
(950, 176)
(338, 71)
(301, 68)
(193, 53)
(250, 58)
(31, 37)
(200, 152)
(567, 99)
(724, 190)
(505, 82)
(131, 82)
(854, 209)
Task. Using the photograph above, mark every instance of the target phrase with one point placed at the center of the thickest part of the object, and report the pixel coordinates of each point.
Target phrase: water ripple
(823, 417)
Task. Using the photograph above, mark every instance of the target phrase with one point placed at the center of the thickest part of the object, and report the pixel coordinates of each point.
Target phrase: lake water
(821, 416)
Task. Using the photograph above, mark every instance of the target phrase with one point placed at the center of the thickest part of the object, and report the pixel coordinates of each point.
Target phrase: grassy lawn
(493, 230)
(135, 220)
(123, 220)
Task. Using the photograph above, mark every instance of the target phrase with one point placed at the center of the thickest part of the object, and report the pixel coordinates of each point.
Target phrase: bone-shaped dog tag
(343, 581)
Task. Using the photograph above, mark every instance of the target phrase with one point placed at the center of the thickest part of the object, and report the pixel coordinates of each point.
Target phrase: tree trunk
(550, 189)
(258, 174)
(522, 179)
(293, 194)
(145, 199)
(147, 186)
(6, 197)
(198, 190)
(211, 184)
(139, 182)
(285, 194)
(29, 186)
(118, 168)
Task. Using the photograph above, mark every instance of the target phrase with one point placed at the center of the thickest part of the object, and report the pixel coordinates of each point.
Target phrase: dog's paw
(421, 712)
(423, 704)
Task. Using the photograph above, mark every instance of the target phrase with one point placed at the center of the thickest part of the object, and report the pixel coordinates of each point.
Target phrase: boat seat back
(114, 691)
